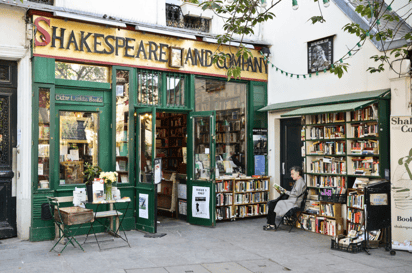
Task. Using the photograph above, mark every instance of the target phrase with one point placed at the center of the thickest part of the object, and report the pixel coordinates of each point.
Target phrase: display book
(338, 148)
(241, 197)
(171, 140)
(166, 192)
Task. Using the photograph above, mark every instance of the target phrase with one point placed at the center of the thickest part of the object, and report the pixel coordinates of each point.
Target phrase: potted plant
(90, 173)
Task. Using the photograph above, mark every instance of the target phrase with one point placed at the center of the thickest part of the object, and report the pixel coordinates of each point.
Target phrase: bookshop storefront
(343, 147)
(137, 103)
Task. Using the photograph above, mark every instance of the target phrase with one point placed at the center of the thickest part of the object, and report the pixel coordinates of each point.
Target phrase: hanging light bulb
(295, 5)
(326, 3)
(263, 3)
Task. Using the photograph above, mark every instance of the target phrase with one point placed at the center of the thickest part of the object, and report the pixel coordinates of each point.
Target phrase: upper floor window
(47, 2)
(175, 18)
(81, 72)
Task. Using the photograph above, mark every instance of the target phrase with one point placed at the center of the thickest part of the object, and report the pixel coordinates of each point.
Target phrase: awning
(345, 98)
(331, 108)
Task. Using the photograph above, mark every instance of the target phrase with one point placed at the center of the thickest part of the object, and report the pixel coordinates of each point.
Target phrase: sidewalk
(237, 247)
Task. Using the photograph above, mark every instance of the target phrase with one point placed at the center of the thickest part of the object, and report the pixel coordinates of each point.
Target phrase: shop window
(44, 138)
(148, 87)
(122, 129)
(145, 148)
(175, 90)
(78, 144)
(228, 99)
(81, 72)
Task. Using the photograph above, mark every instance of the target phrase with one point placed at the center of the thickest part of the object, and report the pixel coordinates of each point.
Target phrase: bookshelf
(241, 197)
(171, 140)
(355, 215)
(340, 148)
(230, 133)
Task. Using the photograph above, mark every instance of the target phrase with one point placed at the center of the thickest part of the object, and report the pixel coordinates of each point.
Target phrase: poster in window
(260, 141)
(320, 54)
(143, 206)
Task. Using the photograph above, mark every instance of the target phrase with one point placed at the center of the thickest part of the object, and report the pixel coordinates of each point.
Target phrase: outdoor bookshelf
(338, 148)
(241, 197)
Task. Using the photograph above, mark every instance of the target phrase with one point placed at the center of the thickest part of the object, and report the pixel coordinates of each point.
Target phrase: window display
(79, 135)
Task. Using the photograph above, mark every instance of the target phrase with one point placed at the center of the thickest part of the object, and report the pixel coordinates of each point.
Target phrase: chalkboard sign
(73, 129)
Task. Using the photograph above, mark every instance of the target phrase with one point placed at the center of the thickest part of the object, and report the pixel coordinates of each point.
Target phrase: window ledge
(196, 11)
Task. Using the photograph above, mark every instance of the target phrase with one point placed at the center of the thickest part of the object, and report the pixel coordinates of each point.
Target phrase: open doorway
(171, 147)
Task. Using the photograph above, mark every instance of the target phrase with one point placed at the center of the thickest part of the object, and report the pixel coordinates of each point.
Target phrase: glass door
(145, 120)
(201, 168)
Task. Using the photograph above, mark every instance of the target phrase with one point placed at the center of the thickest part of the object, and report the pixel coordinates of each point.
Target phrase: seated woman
(285, 202)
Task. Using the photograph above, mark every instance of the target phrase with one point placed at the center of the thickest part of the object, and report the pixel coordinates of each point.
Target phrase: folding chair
(64, 229)
(292, 216)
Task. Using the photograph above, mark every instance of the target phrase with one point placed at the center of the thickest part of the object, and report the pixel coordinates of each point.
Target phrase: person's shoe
(269, 227)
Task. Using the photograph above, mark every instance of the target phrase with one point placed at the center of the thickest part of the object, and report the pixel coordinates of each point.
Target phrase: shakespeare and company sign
(401, 182)
(82, 42)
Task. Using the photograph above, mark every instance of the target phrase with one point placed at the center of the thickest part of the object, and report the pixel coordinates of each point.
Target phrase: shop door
(290, 148)
(145, 156)
(8, 125)
(201, 201)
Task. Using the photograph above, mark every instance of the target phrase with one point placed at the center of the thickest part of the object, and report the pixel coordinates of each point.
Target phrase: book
(279, 188)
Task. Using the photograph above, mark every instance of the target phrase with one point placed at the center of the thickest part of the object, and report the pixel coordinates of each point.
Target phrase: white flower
(109, 176)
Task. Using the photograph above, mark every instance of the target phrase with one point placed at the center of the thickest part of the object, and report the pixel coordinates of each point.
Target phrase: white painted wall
(15, 47)
(152, 12)
(289, 33)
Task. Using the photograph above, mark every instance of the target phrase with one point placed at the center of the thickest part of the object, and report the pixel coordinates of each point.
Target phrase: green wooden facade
(44, 77)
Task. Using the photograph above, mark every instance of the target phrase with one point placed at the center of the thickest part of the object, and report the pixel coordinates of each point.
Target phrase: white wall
(152, 11)
(15, 47)
(289, 33)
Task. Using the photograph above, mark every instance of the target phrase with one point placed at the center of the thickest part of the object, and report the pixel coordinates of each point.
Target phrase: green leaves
(317, 19)
(338, 69)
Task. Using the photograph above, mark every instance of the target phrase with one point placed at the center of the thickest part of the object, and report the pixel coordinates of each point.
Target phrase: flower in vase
(109, 177)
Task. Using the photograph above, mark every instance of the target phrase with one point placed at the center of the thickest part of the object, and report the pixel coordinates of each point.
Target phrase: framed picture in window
(176, 57)
(320, 54)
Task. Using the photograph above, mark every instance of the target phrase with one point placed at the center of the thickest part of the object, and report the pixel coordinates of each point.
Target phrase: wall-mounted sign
(176, 57)
(379, 199)
(401, 182)
(320, 54)
(79, 41)
(80, 98)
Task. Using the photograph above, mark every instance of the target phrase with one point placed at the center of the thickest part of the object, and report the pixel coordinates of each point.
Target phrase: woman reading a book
(287, 199)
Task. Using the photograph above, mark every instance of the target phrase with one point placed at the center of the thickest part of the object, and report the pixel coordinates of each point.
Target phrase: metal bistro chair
(65, 224)
(292, 216)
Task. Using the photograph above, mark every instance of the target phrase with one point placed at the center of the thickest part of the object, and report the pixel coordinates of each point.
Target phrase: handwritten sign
(379, 199)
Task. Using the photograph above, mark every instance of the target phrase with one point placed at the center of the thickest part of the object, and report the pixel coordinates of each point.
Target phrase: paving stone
(226, 268)
(262, 266)
(147, 270)
(187, 269)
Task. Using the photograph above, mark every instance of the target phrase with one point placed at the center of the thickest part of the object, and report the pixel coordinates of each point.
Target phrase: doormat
(157, 235)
